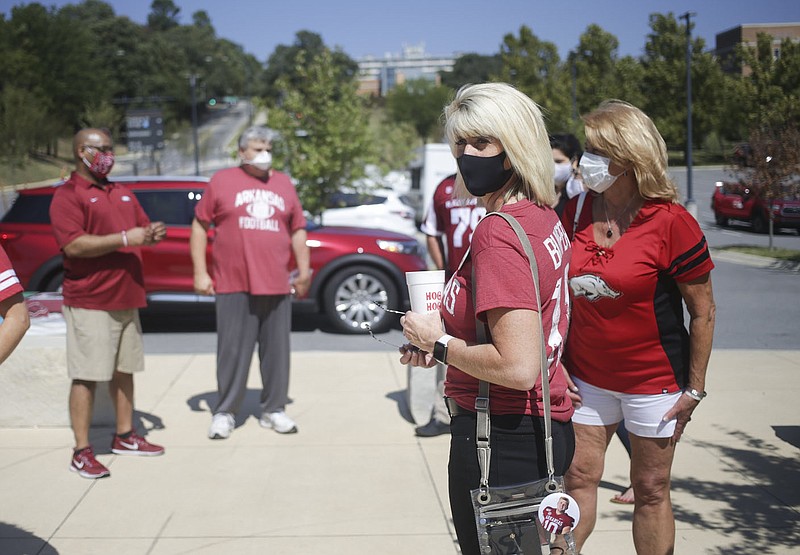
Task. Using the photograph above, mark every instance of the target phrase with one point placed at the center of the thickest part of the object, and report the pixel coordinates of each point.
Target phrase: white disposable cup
(425, 290)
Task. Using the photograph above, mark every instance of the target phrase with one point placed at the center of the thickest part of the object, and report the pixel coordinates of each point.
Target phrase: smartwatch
(440, 348)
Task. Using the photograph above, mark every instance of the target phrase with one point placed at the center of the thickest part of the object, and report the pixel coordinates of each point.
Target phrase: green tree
(393, 142)
(770, 87)
(472, 68)
(419, 102)
(324, 127)
(534, 67)
(49, 55)
(163, 15)
(664, 83)
(284, 63)
(599, 73)
(24, 123)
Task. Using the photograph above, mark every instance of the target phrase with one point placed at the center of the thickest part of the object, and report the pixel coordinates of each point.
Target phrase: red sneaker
(135, 444)
(84, 463)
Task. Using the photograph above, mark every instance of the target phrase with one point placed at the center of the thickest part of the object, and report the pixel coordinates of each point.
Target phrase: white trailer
(433, 162)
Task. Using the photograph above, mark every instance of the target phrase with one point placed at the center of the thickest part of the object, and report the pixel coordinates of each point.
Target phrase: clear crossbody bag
(507, 517)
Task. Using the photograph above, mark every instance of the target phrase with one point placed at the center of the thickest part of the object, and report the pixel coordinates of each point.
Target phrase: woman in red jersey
(498, 137)
(638, 256)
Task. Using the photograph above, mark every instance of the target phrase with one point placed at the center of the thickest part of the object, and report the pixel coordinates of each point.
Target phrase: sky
(381, 27)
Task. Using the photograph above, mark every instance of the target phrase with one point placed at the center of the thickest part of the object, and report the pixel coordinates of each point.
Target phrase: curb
(755, 260)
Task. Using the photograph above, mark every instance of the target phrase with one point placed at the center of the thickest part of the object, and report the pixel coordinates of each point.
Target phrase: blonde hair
(500, 111)
(629, 137)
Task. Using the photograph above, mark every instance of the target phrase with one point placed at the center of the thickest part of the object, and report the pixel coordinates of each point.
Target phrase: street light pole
(193, 85)
(691, 206)
(574, 79)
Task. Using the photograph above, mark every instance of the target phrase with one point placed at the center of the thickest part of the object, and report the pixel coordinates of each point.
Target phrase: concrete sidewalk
(356, 480)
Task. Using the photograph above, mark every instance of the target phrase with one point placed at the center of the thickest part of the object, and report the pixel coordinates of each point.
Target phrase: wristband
(124, 238)
(694, 394)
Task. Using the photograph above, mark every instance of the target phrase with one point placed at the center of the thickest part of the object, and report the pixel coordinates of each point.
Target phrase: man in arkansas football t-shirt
(259, 225)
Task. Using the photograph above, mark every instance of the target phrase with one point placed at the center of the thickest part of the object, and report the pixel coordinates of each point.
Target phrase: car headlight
(400, 247)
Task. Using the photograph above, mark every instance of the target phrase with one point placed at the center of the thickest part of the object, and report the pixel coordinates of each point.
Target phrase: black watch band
(440, 348)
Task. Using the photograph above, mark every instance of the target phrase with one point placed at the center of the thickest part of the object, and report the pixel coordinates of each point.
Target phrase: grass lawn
(781, 254)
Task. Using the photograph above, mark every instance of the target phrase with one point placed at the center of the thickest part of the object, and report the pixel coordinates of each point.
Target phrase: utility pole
(573, 77)
(691, 206)
(193, 85)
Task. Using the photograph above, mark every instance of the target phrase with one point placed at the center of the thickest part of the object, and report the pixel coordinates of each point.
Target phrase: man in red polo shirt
(100, 226)
(259, 227)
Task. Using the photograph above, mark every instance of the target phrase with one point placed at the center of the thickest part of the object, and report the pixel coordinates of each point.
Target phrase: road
(217, 135)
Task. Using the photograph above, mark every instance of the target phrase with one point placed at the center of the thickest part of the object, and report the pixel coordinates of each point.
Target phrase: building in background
(747, 35)
(377, 76)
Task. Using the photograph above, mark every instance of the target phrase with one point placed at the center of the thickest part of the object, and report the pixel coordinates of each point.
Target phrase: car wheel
(721, 220)
(350, 298)
(760, 223)
(55, 282)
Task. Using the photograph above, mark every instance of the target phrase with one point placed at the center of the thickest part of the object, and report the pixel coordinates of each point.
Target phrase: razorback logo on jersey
(592, 287)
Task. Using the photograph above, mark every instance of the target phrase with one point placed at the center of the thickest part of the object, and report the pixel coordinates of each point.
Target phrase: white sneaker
(279, 422)
(222, 425)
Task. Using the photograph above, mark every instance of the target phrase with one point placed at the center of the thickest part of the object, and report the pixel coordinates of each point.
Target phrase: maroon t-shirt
(504, 280)
(254, 223)
(9, 282)
(627, 315)
(554, 522)
(454, 218)
(113, 281)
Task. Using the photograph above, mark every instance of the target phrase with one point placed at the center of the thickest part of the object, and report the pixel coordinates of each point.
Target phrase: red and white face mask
(102, 163)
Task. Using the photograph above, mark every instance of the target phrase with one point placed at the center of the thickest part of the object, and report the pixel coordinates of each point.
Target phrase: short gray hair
(257, 133)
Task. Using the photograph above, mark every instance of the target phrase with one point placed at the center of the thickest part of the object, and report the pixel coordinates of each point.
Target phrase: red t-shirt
(455, 219)
(627, 330)
(504, 280)
(9, 282)
(254, 223)
(114, 281)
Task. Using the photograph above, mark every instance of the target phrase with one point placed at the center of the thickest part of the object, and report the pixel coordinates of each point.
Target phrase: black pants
(518, 456)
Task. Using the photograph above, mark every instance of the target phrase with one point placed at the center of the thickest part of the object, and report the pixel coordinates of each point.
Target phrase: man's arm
(91, 246)
(16, 322)
(436, 250)
(198, 244)
(302, 256)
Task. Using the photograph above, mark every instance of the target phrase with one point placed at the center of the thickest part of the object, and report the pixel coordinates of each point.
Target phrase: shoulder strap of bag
(482, 401)
(578, 209)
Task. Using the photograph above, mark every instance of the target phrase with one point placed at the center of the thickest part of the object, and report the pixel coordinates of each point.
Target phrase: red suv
(352, 268)
(742, 201)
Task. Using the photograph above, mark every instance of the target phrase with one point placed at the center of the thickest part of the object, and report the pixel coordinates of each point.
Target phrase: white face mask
(262, 160)
(563, 171)
(594, 171)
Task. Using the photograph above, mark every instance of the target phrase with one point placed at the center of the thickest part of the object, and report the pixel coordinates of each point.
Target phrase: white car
(378, 208)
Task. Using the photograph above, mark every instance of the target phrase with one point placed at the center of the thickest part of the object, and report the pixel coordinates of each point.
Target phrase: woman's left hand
(409, 354)
(422, 330)
(682, 412)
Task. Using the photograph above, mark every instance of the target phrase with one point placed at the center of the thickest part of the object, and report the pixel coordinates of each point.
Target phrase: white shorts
(643, 414)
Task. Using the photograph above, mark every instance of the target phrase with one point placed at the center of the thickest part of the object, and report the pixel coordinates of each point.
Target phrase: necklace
(609, 231)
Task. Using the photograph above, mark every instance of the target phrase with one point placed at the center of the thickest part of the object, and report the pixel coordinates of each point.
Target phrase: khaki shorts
(99, 342)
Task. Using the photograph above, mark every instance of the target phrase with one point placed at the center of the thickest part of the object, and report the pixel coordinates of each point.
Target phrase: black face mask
(483, 175)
